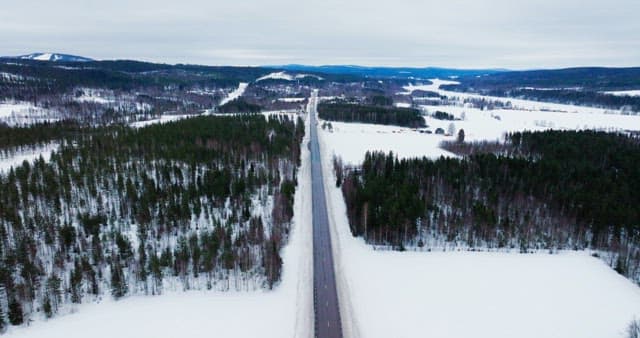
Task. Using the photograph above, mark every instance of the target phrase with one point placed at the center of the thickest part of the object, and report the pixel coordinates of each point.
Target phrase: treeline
(547, 190)
(39, 133)
(347, 112)
(580, 97)
(239, 106)
(200, 203)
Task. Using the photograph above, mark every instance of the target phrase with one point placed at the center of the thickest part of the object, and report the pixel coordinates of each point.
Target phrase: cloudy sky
(450, 33)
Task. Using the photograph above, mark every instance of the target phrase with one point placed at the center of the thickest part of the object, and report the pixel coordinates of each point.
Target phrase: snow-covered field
(29, 155)
(470, 294)
(351, 141)
(517, 104)
(284, 312)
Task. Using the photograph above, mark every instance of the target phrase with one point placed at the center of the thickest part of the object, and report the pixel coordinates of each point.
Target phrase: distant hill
(53, 57)
(587, 78)
(392, 72)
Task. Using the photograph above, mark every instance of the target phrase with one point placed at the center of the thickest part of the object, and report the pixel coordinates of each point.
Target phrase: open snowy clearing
(471, 294)
(351, 141)
(287, 311)
(29, 155)
(161, 119)
(517, 104)
(235, 94)
(492, 124)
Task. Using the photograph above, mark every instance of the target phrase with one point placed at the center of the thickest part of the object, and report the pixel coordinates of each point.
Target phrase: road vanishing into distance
(325, 295)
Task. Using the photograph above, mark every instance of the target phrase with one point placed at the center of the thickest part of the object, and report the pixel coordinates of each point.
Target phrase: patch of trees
(199, 203)
(39, 133)
(347, 112)
(578, 97)
(440, 115)
(239, 106)
(381, 100)
(547, 190)
(589, 78)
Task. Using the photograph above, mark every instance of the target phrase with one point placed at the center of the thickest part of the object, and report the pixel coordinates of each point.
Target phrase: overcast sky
(450, 33)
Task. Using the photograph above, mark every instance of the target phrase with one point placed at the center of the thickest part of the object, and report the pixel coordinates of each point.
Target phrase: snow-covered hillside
(235, 94)
(54, 57)
(471, 294)
(286, 76)
(19, 113)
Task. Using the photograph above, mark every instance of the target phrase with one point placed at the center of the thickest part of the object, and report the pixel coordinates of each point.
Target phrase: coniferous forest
(348, 112)
(201, 203)
(550, 190)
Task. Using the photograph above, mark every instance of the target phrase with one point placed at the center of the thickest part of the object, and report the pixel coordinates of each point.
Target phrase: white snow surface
(351, 141)
(235, 94)
(44, 57)
(625, 93)
(286, 311)
(29, 155)
(471, 294)
(292, 99)
(286, 76)
(492, 124)
(518, 104)
(20, 112)
(162, 119)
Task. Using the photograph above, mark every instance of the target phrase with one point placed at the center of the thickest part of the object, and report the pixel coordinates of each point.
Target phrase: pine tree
(15, 313)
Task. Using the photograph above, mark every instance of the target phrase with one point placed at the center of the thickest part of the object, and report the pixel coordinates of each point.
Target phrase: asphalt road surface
(325, 295)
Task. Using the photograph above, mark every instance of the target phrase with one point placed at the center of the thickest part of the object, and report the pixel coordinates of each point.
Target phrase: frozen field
(284, 312)
(465, 294)
(352, 140)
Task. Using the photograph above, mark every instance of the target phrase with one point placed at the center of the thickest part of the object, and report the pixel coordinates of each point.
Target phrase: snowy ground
(29, 155)
(235, 94)
(19, 113)
(284, 312)
(352, 140)
(465, 294)
(286, 76)
(518, 104)
(625, 93)
(161, 119)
